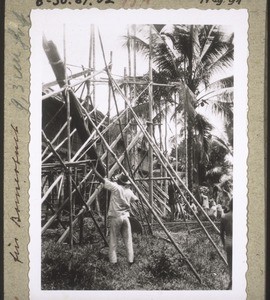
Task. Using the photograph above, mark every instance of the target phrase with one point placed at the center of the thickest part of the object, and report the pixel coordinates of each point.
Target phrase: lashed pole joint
(146, 202)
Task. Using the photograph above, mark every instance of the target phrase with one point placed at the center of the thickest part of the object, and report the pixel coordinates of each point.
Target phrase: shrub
(164, 261)
(158, 265)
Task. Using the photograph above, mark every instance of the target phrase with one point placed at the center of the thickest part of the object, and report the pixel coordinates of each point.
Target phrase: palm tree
(189, 56)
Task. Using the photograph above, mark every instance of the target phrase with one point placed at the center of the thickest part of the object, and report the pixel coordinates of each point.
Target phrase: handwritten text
(15, 253)
(219, 2)
(17, 217)
(18, 35)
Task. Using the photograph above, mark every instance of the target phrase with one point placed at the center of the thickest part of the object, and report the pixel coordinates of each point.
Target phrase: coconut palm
(189, 56)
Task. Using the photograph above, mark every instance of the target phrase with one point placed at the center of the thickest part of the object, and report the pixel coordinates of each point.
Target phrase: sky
(77, 43)
(77, 55)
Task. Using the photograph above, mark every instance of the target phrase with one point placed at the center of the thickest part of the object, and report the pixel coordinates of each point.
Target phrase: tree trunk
(189, 154)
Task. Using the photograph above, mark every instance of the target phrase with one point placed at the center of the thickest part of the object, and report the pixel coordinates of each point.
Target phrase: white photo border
(238, 19)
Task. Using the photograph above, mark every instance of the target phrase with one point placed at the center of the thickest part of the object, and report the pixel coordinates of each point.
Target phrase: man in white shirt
(118, 213)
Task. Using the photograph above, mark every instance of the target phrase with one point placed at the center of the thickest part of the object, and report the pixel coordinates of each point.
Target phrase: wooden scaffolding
(75, 136)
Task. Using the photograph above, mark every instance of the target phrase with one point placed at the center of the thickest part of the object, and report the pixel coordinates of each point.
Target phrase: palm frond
(140, 44)
(225, 82)
(222, 94)
(219, 60)
(224, 109)
(221, 143)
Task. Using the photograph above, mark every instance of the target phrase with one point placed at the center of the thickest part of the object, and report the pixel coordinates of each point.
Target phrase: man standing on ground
(226, 238)
(118, 214)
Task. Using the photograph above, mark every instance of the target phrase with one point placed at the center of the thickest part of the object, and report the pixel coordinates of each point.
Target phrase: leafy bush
(164, 262)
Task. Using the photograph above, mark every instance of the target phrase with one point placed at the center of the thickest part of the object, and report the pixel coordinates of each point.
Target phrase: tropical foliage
(192, 60)
(158, 265)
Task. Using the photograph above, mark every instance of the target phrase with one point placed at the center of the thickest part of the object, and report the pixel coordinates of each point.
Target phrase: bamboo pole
(59, 193)
(51, 188)
(47, 225)
(162, 158)
(87, 141)
(140, 163)
(114, 97)
(98, 189)
(54, 139)
(161, 191)
(90, 50)
(129, 58)
(115, 102)
(186, 138)
(69, 146)
(108, 156)
(117, 118)
(157, 151)
(128, 81)
(73, 76)
(86, 206)
(80, 163)
(90, 199)
(147, 203)
(153, 178)
(134, 62)
(57, 135)
(94, 64)
(72, 85)
(88, 99)
(150, 124)
(172, 173)
(165, 142)
(58, 146)
(176, 136)
(156, 197)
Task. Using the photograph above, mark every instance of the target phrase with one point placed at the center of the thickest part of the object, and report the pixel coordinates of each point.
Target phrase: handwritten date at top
(82, 2)
(219, 2)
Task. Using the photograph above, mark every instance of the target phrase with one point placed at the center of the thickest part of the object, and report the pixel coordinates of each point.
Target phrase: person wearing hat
(118, 214)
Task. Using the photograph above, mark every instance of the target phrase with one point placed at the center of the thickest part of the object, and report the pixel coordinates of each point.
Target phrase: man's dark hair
(119, 182)
(122, 179)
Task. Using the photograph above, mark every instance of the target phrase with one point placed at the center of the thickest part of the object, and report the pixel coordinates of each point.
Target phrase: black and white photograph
(138, 176)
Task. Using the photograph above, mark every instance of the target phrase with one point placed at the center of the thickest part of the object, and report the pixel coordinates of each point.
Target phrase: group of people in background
(215, 209)
(119, 212)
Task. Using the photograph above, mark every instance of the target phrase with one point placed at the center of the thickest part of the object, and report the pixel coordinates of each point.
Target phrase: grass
(158, 266)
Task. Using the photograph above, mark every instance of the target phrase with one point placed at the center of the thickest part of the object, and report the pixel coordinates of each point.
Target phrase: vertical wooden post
(160, 142)
(128, 75)
(165, 144)
(186, 139)
(134, 62)
(68, 149)
(126, 114)
(88, 83)
(94, 64)
(126, 86)
(150, 128)
(176, 134)
(108, 153)
(135, 148)
(129, 59)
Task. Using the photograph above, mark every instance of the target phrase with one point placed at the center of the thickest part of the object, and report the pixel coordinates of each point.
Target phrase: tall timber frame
(68, 176)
